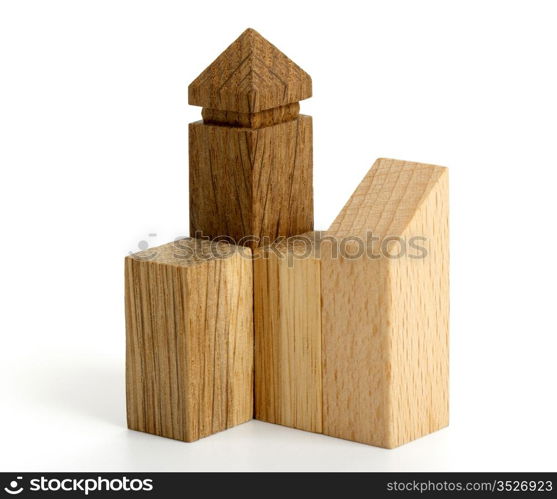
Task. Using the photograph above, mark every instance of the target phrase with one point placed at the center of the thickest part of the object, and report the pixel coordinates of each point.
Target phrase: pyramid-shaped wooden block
(250, 76)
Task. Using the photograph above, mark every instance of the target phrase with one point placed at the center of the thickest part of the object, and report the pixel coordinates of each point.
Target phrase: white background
(93, 159)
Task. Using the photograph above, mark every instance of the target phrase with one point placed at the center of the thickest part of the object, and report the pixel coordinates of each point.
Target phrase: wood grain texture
(287, 318)
(420, 328)
(189, 339)
(387, 199)
(385, 320)
(268, 117)
(253, 183)
(251, 75)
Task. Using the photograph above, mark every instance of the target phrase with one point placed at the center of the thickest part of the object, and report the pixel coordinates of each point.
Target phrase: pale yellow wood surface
(420, 314)
(288, 364)
(356, 301)
(387, 199)
(189, 342)
(385, 320)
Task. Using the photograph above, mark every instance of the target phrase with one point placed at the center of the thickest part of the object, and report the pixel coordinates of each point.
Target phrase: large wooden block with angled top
(385, 315)
(189, 339)
(352, 334)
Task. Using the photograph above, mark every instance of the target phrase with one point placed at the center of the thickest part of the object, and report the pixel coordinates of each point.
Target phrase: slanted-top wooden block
(351, 327)
(386, 314)
(189, 340)
(251, 157)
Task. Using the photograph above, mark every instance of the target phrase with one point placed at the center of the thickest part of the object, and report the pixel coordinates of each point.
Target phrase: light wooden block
(352, 346)
(189, 341)
(385, 320)
(288, 364)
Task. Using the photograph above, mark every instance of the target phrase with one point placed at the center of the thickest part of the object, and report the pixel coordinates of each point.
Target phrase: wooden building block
(385, 320)
(351, 335)
(189, 339)
(288, 366)
(250, 76)
(251, 158)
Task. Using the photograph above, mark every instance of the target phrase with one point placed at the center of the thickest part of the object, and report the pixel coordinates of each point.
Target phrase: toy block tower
(343, 332)
(251, 156)
(189, 304)
(385, 316)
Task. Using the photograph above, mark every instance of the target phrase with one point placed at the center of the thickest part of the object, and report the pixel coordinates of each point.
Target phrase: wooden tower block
(189, 341)
(251, 156)
(288, 372)
(385, 320)
(353, 346)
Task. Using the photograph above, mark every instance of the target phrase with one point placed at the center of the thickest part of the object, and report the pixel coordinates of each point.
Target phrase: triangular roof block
(386, 199)
(251, 75)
